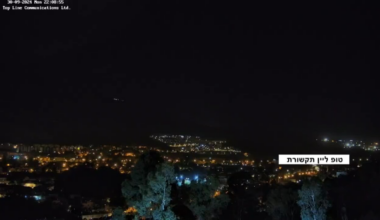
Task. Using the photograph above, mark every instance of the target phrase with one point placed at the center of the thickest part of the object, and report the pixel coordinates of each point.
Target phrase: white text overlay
(313, 159)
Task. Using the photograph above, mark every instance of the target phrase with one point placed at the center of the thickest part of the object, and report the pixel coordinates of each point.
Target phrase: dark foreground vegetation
(151, 191)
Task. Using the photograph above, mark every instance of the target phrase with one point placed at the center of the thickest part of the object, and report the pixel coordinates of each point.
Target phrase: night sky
(259, 74)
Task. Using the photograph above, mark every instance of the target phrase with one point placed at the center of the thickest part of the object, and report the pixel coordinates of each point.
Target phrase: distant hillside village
(42, 172)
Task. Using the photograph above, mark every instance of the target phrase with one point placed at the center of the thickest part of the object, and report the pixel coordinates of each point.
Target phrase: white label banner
(313, 159)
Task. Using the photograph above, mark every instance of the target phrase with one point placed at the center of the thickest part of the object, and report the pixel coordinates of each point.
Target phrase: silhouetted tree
(204, 199)
(313, 200)
(160, 190)
(149, 186)
(282, 203)
(118, 214)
